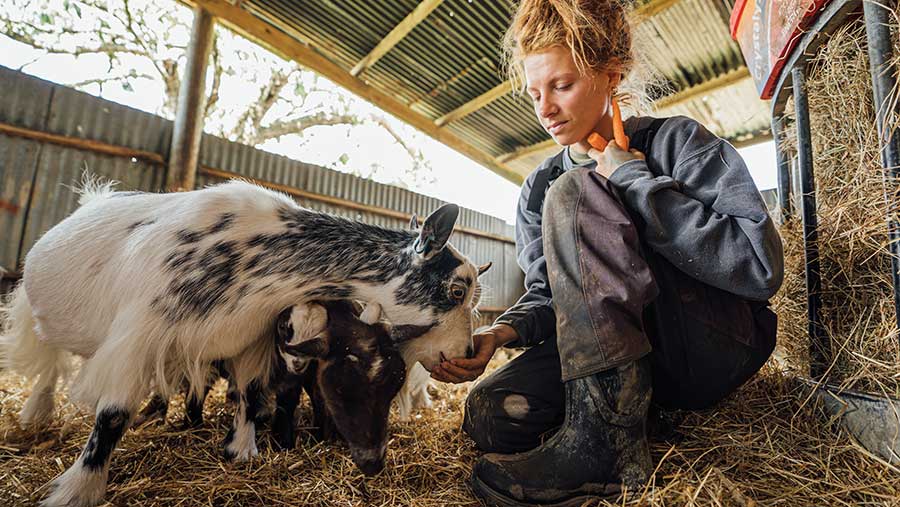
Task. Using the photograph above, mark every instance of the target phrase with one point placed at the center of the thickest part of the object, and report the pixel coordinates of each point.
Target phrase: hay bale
(857, 292)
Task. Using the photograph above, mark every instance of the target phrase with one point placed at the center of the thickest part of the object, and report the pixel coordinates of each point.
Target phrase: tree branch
(216, 67)
(298, 125)
(109, 79)
(103, 48)
(381, 122)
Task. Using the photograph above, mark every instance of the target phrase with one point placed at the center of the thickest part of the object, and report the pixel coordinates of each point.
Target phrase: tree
(253, 96)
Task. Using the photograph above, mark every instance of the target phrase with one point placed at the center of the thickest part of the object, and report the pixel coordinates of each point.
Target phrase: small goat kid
(351, 369)
(150, 288)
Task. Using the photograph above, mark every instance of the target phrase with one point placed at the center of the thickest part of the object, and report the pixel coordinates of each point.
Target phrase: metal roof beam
(396, 35)
(269, 36)
(475, 104)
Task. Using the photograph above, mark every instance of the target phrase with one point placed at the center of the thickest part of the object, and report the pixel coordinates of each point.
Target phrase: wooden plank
(526, 150)
(82, 144)
(753, 140)
(722, 81)
(396, 35)
(184, 153)
(650, 8)
(270, 37)
(475, 104)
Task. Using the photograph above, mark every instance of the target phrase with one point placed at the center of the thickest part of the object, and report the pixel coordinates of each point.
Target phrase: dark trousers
(615, 300)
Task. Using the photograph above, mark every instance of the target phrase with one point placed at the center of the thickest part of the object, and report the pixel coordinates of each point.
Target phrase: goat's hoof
(191, 422)
(37, 412)
(241, 455)
(238, 451)
(76, 487)
(285, 441)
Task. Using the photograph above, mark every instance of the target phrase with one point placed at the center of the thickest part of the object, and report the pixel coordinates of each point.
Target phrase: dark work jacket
(698, 207)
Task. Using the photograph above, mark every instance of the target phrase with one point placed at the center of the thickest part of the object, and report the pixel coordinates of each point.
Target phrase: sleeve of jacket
(707, 217)
(532, 316)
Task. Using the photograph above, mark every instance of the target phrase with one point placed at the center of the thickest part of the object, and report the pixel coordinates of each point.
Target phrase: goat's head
(358, 372)
(435, 302)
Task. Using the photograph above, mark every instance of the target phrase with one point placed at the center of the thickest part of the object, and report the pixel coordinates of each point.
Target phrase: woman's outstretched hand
(612, 158)
(458, 370)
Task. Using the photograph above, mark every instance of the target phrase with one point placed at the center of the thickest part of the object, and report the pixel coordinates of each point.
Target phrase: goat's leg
(84, 483)
(38, 408)
(240, 444)
(324, 427)
(193, 407)
(287, 397)
(156, 408)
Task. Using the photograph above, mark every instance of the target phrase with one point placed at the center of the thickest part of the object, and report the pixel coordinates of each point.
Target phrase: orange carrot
(597, 141)
(619, 129)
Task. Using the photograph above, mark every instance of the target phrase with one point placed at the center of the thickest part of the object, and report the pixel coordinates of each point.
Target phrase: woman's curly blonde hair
(597, 32)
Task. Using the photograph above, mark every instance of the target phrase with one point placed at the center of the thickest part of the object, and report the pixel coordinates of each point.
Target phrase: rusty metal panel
(18, 160)
(77, 114)
(24, 99)
(60, 169)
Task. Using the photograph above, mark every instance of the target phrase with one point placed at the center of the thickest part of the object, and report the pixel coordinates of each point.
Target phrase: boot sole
(490, 496)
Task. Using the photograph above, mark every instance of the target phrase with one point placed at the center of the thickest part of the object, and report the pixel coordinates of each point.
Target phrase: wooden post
(185, 148)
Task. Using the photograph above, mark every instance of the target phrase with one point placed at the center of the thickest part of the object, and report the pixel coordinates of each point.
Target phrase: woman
(646, 272)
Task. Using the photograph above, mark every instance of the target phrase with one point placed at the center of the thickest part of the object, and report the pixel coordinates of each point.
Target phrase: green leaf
(344, 158)
(66, 5)
(77, 9)
(300, 89)
(104, 24)
(46, 19)
(127, 86)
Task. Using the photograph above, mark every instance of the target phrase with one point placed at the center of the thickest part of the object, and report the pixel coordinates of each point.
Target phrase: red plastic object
(767, 31)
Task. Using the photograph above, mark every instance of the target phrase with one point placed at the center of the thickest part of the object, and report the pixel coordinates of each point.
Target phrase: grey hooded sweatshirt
(700, 208)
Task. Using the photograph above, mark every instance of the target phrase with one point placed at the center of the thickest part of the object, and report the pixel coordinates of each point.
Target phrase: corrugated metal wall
(36, 178)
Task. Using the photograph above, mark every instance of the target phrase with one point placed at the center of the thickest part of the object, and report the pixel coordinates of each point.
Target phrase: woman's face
(569, 105)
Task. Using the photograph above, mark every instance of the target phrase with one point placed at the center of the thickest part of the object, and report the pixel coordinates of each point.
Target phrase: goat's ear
(414, 222)
(301, 323)
(484, 267)
(371, 314)
(283, 327)
(436, 230)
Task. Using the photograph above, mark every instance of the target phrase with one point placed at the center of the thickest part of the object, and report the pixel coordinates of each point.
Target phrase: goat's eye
(457, 292)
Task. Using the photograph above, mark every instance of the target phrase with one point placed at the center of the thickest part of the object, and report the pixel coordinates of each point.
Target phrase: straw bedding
(857, 291)
(766, 445)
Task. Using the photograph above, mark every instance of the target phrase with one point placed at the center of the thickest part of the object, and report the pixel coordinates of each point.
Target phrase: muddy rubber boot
(601, 446)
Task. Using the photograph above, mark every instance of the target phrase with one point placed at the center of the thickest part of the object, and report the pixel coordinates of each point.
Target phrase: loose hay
(857, 292)
(763, 446)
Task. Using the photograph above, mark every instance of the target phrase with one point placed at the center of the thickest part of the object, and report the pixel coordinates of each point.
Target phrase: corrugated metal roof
(453, 56)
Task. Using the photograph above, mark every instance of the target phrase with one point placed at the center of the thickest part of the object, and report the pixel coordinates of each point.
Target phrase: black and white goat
(150, 288)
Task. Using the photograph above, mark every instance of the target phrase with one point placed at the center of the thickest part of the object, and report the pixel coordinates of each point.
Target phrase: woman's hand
(612, 158)
(460, 370)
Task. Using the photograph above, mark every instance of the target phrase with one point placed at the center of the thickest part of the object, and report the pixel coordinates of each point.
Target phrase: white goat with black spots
(151, 288)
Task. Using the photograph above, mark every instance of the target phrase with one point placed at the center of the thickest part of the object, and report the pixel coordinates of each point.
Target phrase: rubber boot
(600, 447)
